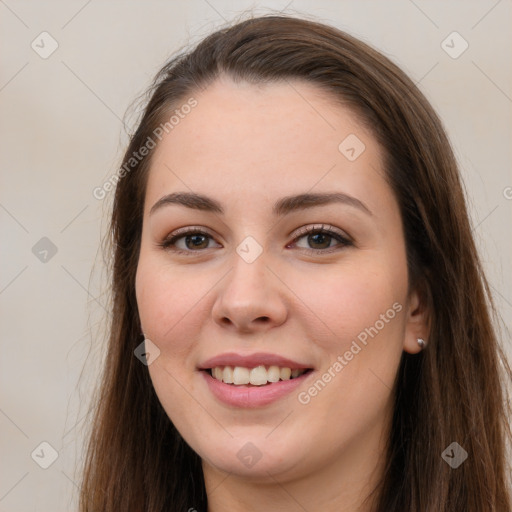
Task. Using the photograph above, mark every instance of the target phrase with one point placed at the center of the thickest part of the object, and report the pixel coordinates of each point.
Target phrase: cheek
(352, 297)
(359, 313)
(170, 304)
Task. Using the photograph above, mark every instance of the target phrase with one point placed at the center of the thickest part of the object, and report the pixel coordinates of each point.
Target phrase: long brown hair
(453, 391)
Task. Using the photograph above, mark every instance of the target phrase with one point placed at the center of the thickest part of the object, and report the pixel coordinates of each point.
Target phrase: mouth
(253, 387)
(241, 376)
(253, 380)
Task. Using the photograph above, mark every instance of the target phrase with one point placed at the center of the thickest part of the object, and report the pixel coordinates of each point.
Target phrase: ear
(417, 323)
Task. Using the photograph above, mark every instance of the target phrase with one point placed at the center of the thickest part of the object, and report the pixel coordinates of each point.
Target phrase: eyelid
(187, 229)
(311, 228)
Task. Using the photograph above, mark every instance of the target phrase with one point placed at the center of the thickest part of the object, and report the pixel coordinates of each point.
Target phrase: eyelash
(169, 242)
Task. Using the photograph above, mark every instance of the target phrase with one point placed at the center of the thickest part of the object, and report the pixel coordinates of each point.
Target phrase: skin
(247, 146)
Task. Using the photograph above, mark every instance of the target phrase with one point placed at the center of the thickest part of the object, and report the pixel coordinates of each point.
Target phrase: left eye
(199, 239)
(321, 236)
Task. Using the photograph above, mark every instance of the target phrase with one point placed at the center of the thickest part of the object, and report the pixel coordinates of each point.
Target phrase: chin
(252, 457)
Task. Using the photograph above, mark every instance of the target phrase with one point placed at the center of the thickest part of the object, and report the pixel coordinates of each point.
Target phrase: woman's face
(258, 291)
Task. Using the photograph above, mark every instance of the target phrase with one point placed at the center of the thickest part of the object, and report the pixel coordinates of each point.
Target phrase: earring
(421, 343)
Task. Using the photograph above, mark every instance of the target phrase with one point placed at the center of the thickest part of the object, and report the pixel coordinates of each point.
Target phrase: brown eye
(194, 240)
(320, 238)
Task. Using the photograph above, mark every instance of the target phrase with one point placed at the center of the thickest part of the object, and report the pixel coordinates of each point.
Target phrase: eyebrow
(281, 207)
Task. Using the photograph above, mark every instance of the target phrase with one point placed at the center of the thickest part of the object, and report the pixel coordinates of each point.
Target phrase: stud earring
(421, 343)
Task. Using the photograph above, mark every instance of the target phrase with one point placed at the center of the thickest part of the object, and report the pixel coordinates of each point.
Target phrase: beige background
(61, 136)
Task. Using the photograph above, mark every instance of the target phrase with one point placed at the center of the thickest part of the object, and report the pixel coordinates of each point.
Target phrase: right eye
(193, 238)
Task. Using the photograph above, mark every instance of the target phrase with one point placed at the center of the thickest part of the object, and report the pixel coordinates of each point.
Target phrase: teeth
(273, 374)
(225, 375)
(258, 376)
(285, 373)
(241, 375)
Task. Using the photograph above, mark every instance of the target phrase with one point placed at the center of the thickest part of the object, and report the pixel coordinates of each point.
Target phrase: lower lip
(252, 396)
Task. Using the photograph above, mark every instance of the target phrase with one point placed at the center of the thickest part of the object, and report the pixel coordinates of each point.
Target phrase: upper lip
(251, 361)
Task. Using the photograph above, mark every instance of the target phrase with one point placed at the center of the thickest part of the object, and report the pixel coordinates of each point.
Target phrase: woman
(250, 368)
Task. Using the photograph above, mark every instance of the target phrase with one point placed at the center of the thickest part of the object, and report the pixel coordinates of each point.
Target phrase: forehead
(243, 143)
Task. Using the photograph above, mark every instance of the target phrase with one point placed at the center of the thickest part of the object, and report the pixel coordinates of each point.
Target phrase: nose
(251, 297)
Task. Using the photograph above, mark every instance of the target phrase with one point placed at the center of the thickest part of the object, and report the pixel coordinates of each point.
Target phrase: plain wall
(62, 135)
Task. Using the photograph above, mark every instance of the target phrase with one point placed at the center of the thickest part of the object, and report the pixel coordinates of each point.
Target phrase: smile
(247, 395)
(258, 376)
